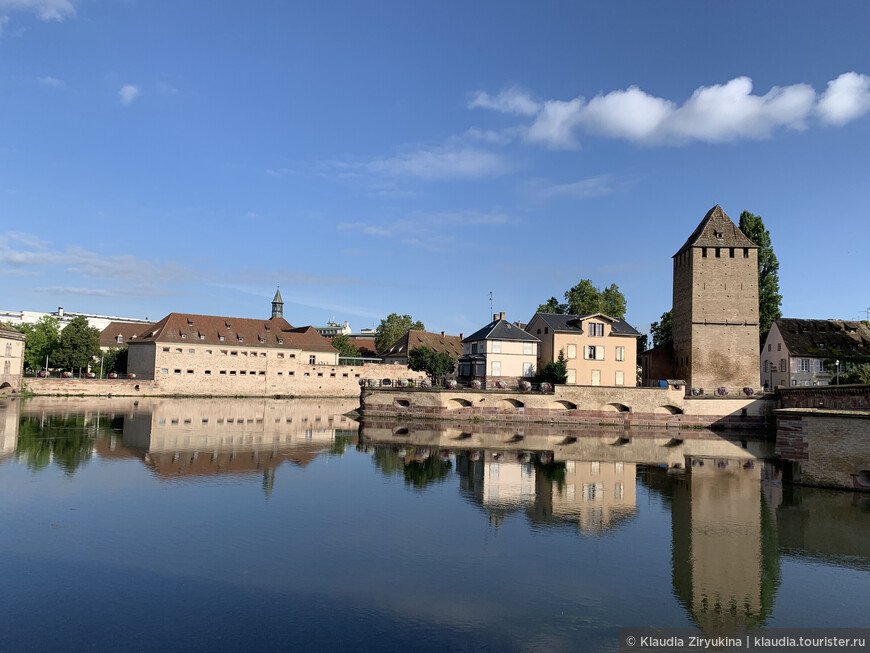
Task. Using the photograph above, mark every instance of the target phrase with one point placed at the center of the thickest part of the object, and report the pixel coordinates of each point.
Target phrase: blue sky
(379, 157)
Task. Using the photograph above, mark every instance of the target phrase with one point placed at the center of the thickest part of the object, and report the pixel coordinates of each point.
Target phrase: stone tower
(277, 305)
(715, 314)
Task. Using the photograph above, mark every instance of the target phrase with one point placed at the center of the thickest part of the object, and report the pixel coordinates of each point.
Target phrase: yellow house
(500, 351)
(600, 350)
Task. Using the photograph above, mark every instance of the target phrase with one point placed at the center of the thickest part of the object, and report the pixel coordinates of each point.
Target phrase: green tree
(41, 342)
(859, 374)
(392, 328)
(435, 364)
(585, 299)
(769, 299)
(79, 344)
(115, 360)
(553, 306)
(555, 372)
(345, 348)
(663, 331)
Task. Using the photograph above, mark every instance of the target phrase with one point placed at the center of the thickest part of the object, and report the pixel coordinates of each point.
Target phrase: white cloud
(439, 163)
(555, 124)
(846, 98)
(718, 113)
(45, 9)
(128, 93)
(591, 187)
(512, 101)
(628, 114)
(50, 81)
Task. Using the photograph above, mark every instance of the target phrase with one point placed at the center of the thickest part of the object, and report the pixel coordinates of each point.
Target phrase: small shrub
(524, 385)
(722, 391)
(475, 384)
(546, 387)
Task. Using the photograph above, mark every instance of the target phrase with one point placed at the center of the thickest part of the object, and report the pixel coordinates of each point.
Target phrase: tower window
(745, 252)
(730, 252)
(718, 252)
(703, 252)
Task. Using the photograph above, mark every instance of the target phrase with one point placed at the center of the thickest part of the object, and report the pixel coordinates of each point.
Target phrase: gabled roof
(275, 332)
(434, 341)
(501, 330)
(127, 330)
(717, 230)
(824, 338)
(573, 323)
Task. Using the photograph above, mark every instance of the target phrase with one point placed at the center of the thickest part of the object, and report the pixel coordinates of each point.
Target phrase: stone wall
(828, 448)
(298, 381)
(646, 407)
(848, 397)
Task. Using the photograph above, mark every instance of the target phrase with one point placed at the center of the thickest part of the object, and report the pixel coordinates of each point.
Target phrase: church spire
(277, 304)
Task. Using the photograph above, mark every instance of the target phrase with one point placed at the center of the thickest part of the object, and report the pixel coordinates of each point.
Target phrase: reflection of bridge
(603, 444)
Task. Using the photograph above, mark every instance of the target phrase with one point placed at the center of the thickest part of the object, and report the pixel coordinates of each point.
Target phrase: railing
(423, 384)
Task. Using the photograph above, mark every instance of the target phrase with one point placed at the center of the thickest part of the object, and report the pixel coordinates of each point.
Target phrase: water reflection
(701, 515)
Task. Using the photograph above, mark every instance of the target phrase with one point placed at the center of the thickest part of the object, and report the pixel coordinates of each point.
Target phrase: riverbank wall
(625, 407)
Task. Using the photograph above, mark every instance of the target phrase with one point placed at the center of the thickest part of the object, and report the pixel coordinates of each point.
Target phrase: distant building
(100, 322)
(120, 334)
(715, 307)
(333, 329)
(807, 352)
(188, 353)
(599, 350)
(397, 353)
(11, 359)
(500, 351)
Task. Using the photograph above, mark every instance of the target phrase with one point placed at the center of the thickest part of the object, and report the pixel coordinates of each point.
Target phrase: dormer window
(201, 337)
(184, 335)
(119, 339)
(189, 323)
(280, 341)
(821, 345)
(221, 338)
(262, 341)
(241, 339)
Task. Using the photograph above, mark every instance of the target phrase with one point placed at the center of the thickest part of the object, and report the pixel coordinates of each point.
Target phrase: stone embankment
(628, 407)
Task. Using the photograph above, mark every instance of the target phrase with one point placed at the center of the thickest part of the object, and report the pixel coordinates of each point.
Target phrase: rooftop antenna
(490, 302)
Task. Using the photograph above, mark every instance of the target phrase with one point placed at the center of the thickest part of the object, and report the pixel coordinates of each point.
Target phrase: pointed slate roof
(717, 230)
(501, 330)
(277, 297)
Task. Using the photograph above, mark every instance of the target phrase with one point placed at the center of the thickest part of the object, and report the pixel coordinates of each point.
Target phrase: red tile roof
(276, 333)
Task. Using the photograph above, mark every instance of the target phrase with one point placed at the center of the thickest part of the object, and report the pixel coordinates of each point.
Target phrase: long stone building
(715, 309)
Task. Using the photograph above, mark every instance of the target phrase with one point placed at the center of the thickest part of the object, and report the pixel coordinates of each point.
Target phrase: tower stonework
(715, 309)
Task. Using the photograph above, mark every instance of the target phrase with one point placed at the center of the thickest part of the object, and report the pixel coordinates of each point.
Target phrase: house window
(177, 371)
(820, 366)
(620, 353)
(164, 370)
(280, 355)
(779, 346)
(223, 372)
(528, 369)
(546, 329)
(527, 348)
(769, 345)
(704, 252)
(496, 346)
(221, 338)
(782, 365)
(496, 368)
(620, 377)
(596, 329)
(208, 372)
(166, 349)
(179, 350)
(119, 339)
(803, 364)
(595, 353)
(572, 351)
(745, 252)
(190, 371)
(280, 341)
(718, 252)
(596, 377)
(201, 337)
(234, 353)
(572, 376)
(730, 252)
(766, 366)
(190, 351)
(184, 336)
(312, 359)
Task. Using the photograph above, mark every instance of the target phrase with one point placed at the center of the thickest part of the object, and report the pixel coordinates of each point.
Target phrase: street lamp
(837, 372)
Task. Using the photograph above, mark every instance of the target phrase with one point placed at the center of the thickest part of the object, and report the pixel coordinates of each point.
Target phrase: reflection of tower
(277, 305)
(724, 548)
(268, 481)
(9, 420)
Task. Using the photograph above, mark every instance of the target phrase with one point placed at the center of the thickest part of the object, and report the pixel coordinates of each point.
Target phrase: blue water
(369, 546)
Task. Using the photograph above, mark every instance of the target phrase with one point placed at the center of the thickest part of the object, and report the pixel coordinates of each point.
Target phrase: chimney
(501, 315)
(462, 336)
(442, 334)
(494, 317)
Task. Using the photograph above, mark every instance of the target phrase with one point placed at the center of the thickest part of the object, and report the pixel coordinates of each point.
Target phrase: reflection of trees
(552, 472)
(343, 437)
(418, 466)
(66, 441)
